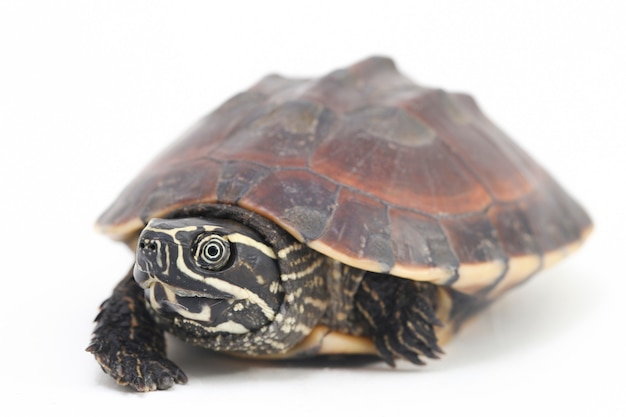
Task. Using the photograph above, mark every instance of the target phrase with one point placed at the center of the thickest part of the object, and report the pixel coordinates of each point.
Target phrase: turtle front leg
(401, 316)
(129, 345)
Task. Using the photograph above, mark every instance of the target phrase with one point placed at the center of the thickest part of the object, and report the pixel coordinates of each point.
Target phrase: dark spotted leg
(127, 343)
(400, 314)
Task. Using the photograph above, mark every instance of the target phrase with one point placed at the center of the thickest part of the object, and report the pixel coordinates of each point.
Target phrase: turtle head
(213, 275)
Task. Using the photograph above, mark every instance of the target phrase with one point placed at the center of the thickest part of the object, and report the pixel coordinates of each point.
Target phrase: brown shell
(373, 170)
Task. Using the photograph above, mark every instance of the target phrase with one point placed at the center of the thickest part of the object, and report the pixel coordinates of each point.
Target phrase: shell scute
(427, 178)
(284, 135)
(548, 210)
(513, 229)
(359, 229)
(301, 201)
(474, 237)
(419, 240)
(237, 178)
(492, 158)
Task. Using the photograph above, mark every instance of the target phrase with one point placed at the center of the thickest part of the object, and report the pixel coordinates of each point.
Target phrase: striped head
(215, 276)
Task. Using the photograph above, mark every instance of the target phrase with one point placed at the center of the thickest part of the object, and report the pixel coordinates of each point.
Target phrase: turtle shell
(367, 167)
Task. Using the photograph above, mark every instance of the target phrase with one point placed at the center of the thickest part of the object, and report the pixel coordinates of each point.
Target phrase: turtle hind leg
(128, 344)
(400, 315)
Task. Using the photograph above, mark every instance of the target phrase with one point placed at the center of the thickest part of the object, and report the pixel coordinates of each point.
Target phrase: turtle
(358, 213)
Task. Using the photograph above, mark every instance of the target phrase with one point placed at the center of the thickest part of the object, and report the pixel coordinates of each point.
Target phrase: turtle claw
(149, 374)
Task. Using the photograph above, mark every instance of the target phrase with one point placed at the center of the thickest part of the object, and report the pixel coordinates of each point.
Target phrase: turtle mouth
(213, 315)
(142, 277)
(171, 302)
(204, 306)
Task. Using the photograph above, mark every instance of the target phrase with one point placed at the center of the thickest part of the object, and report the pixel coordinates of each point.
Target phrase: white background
(90, 91)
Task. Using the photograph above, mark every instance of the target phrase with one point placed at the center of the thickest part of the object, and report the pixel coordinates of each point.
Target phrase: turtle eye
(212, 252)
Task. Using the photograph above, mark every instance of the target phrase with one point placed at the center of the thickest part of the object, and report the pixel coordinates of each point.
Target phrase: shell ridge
(333, 125)
(469, 169)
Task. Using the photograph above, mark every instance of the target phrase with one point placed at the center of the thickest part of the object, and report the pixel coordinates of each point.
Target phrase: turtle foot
(143, 373)
(129, 345)
(401, 317)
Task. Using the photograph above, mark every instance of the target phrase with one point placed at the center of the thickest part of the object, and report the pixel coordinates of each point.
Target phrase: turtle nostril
(148, 245)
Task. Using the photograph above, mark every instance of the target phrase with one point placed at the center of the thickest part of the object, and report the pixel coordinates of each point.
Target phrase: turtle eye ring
(212, 252)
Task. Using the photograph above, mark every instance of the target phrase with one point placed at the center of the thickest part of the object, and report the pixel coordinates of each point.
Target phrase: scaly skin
(127, 343)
